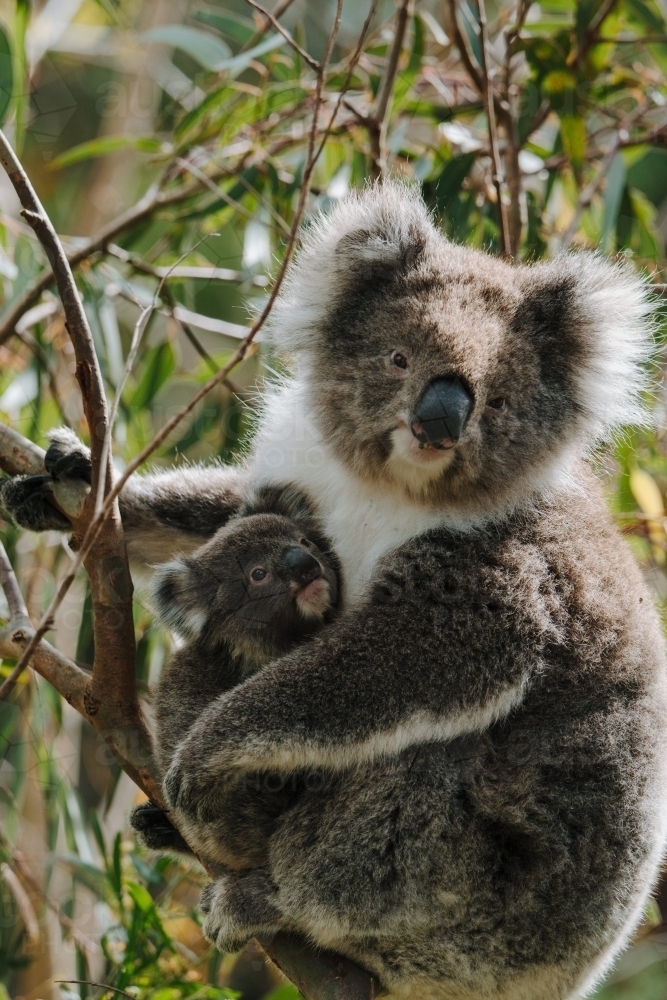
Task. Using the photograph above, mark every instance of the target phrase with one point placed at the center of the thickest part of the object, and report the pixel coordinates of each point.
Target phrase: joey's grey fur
(489, 713)
(231, 625)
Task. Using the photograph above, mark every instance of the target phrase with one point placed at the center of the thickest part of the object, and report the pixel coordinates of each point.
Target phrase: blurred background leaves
(179, 130)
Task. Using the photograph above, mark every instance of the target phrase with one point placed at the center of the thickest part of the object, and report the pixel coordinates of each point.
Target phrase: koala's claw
(155, 829)
(236, 907)
(67, 457)
(25, 500)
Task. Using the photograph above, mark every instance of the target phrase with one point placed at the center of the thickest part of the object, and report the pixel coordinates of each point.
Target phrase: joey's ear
(174, 593)
(592, 321)
(372, 235)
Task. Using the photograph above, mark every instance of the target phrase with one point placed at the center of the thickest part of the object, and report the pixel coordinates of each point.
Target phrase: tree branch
(274, 22)
(377, 124)
(498, 178)
(112, 696)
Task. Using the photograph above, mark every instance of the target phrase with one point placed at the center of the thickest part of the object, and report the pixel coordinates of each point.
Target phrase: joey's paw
(26, 500)
(67, 457)
(236, 907)
(155, 829)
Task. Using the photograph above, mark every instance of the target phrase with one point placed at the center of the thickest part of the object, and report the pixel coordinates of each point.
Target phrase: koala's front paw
(26, 501)
(67, 457)
(155, 829)
(236, 907)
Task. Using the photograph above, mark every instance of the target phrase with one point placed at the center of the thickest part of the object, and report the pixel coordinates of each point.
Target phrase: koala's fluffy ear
(370, 236)
(594, 323)
(174, 592)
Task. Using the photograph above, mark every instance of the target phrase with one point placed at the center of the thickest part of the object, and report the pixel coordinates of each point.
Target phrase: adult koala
(490, 712)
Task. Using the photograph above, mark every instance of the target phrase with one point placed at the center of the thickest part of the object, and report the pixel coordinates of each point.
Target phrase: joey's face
(260, 584)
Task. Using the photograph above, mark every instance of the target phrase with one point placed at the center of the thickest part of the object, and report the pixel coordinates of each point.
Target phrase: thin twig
(498, 178)
(162, 273)
(9, 584)
(137, 334)
(354, 59)
(199, 273)
(510, 128)
(279, 10)
(274, 22)
(591, 31)
(207, 182)
(100, 986)
(377, 125)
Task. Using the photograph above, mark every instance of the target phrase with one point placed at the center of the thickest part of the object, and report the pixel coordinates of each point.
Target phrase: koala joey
(488, 713)
(264, 583)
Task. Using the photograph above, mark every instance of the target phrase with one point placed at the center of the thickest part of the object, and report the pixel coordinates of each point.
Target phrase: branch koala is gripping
(490, 708)
(264, 583)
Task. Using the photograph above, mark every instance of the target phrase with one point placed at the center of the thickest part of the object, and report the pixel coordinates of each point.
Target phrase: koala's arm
(438, 648)
(163, 513)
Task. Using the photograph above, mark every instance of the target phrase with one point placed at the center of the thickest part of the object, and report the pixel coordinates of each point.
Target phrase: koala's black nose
(441, 413)
(302, 566)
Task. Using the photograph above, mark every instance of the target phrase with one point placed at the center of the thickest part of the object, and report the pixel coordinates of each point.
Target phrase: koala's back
(524, 851)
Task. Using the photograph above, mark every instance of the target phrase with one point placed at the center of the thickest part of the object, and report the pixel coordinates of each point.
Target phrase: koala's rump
(494, 854)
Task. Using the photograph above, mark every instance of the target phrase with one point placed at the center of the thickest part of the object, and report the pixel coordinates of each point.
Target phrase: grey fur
(231, 627)
(482, 736)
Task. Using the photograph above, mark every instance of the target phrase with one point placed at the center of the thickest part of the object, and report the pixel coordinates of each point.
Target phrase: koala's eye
(259, 574)
(497, 403)
(399, 360)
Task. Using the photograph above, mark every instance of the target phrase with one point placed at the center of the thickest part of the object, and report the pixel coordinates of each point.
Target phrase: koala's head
(448, 373)
(260, 585)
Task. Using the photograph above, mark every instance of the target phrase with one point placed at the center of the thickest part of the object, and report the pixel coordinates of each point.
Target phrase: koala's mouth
(314, 599)
(413, 448)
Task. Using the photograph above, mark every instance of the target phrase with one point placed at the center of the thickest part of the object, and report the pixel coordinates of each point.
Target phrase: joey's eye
(258, 574)
(497, 403)
(399, 360)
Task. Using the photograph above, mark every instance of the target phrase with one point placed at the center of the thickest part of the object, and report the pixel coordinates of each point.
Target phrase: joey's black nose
(441, 413)
(302, 566)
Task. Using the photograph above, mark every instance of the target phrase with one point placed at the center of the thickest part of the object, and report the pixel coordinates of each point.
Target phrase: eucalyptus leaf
(240, 29)
(104, 146)
(612, 199)
(573, 135)
(6, 74)
(240, 62)
(203, 46)
(160, 364)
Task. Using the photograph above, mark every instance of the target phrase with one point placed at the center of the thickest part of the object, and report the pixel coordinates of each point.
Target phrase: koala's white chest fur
(362, 522)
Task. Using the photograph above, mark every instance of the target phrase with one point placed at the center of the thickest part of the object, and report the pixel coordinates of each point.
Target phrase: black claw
(156, 829)
(73, 464)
